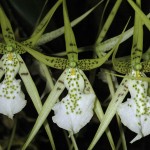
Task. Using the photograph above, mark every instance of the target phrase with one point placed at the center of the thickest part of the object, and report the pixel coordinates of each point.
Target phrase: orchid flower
(76, 108)
(135, 112)
(12, 99)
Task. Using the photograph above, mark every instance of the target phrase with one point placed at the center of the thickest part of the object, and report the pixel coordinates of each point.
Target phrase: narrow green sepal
(6, 27)
(41, 27)
(122, 66)
(71, 47)
(140, 13)
(88, 64)
(54, 62)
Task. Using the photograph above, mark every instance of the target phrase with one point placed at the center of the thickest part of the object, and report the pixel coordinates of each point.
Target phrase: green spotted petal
(146, 66)
(122, 66)
(55, 62)
(88, 64)
(3, 48)
(6, 27)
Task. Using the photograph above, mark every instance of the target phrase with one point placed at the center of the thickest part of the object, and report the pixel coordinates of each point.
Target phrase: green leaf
(122, 139)
(112, 92)
(44, 72)
(12, 135)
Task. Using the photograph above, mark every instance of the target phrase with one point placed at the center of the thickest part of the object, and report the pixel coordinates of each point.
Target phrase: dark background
(23, 15)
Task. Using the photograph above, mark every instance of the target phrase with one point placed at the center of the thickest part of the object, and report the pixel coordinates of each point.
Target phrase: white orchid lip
(135, 112)
(12, 99)
(75, 110)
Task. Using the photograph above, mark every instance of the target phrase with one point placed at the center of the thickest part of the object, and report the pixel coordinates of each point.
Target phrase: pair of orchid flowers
(76, 108)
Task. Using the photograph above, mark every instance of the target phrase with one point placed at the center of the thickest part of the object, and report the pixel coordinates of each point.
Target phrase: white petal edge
(72, 121)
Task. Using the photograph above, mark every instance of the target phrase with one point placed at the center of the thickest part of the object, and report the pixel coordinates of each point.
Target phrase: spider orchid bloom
(12, 99)
(135, 112)
(76, 109)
